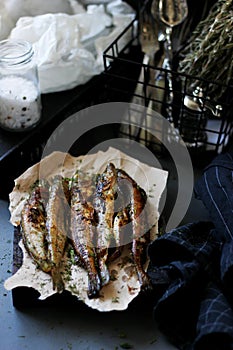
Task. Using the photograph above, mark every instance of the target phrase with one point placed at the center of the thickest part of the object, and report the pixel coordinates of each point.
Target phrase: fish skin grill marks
(33, 225)
(57, 209)
(44, 226)
(137, 215)
(82, 234)
(104, 205)
(111, 202)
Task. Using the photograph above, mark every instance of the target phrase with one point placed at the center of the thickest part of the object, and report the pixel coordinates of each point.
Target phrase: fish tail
(104, 273)
(137, 256)
(58, 283)
(144, 280)
(94, 286)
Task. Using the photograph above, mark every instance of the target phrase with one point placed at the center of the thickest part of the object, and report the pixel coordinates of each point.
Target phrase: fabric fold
(191, 268)
(215, 322)
(215, 190)
(186, 242)
(179, 270)
(226, 270)
(176, 312)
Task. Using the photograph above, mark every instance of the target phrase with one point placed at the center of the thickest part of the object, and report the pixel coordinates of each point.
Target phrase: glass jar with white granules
(20, 102)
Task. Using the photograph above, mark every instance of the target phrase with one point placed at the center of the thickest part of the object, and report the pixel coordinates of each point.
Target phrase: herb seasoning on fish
(82, 234)
(33, 225)
(104, 207)
(140, 239)
(57, 214)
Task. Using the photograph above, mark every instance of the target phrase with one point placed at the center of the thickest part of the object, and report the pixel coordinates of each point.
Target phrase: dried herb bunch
(209, 53)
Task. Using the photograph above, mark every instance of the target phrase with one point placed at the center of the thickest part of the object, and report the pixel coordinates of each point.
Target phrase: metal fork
(149, 44)
(148, 33)
(148, 37)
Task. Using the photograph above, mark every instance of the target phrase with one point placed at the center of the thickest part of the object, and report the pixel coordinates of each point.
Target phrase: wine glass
(171, 13)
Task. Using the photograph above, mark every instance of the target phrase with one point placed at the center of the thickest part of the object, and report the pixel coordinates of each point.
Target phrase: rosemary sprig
(209, 54)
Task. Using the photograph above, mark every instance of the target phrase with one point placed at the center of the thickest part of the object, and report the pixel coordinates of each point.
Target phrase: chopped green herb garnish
(72, 256)
(115, 300)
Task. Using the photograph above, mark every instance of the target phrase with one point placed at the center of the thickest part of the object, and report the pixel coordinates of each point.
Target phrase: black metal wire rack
(207, 127)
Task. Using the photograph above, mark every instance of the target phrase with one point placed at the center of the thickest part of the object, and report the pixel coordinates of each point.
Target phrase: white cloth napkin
(68, 47)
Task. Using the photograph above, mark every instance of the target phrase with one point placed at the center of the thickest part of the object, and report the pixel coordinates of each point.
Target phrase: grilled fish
(140, 239)
(104, 208)
(57, 213)
(82, 234)
(33, 225)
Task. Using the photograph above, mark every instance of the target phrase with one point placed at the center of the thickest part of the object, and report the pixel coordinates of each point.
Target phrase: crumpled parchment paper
(118, 293)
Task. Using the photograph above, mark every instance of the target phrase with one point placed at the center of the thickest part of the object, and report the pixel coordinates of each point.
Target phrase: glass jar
(194, 119)
(20, 102)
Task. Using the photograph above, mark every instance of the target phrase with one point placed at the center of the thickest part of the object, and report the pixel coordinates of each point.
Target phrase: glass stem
(169, 50)
(167, 64)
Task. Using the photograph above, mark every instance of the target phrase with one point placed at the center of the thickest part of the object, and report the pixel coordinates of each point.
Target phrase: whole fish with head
(83, 233)
(104, 205)
(137, 214)
(33, 225)
(57, 226)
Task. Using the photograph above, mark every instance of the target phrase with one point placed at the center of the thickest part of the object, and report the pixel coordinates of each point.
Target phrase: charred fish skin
(104, 207)
(82, 235)
(33, 225)
(57, 215)
(140, 239)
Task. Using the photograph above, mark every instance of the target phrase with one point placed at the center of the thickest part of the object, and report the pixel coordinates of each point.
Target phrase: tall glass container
(20, 102)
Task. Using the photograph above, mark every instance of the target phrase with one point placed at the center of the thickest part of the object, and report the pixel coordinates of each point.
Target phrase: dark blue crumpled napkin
(191, 269)
(181, 261)
(226, 265)
(215, 189)
(215, 322)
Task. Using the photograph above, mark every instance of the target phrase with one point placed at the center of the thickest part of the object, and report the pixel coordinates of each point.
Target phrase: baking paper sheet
(118, 293)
